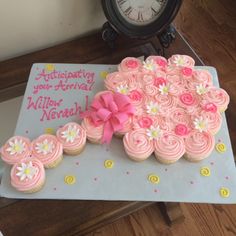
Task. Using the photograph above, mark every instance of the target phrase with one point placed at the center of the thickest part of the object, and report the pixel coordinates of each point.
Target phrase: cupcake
(28, 176)
(138, 145)
(198, 145)
(73, 138)
(169, 148)
(48, 150)
(94, 133)
(15, 149)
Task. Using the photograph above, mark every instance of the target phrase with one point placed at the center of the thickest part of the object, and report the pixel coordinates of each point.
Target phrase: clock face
(140, 12)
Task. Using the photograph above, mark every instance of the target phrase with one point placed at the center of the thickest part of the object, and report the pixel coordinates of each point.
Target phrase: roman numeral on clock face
(140, 16)
(128, 10)
(120, 2)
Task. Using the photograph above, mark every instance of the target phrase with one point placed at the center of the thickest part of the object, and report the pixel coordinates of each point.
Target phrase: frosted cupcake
(94, 133)
(28, 176)
(137, 145)
(15, 149)
(48, 150)
(73, 138)
(169, 148)
(198, 145)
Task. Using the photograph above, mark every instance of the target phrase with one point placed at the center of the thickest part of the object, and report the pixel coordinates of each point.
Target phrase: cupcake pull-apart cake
(177, 109)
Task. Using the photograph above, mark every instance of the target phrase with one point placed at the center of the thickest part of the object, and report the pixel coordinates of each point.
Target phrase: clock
(140, 18)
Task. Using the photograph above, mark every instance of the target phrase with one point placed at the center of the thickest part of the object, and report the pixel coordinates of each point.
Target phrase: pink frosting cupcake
(15, 149)
(48, 150)
(115, 80)
(73, 138)
(130, 64)
(94, 133)
(137, 145)
(169, 148)
(28, 176)
(198, 145)
(181, 60)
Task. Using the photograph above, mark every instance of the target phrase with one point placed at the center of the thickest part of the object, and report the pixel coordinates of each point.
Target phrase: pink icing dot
(181, 129)
(135, 95)
(131, 64)
(145, 122)
(210, 107)
(159, 81)
(187, 98)
(187, 71)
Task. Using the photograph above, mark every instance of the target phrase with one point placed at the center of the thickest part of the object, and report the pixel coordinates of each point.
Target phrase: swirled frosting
(47, 149)
(199, 145)
(137, 144)
(72, 136)
(28, 175)
(94, 133)
(15, 149)
(170, 147)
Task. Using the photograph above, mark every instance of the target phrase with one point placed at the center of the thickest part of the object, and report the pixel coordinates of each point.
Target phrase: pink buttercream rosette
(174, 104)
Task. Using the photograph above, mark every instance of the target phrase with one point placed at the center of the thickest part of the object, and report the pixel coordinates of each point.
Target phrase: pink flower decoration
(210, 107)
(187, 99)
(187, 71)
(161, 62)
(131, 64)
(145, 122)
(159, 81)
(135, 95)
(181, 129)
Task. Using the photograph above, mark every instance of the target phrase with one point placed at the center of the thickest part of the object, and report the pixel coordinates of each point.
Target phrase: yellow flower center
(165, 90)
(180, 61)
(27, 171)
(154, 133)
(123, 91)
(16, 148)
(154, 110)
(72, 133)
(45, 147)
(202, 125)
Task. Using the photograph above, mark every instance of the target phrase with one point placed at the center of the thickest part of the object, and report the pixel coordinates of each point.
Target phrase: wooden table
(54, 217)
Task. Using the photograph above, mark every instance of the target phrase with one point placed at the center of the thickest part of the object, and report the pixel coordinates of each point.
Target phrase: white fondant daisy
(16, 147)
(164, 89)
(152, 108)
(149, 65)
(26, 171)
(201, 89)
(179, 60)
(70, 134)
(124, 89)
(45, 147)
(154, 132)
(201, 124)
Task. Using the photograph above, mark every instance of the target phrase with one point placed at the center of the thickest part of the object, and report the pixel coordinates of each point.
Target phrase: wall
(29, 25)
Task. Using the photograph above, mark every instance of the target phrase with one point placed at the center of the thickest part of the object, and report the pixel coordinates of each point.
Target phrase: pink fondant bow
(112, 110)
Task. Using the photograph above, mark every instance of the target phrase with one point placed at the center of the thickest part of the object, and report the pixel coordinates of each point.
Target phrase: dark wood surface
(73, 217)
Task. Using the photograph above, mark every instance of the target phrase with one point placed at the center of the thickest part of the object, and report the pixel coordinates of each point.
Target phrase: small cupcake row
(47, 148)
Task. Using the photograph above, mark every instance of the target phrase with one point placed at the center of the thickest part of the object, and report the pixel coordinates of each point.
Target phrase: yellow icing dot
(153, 178)
(224, 192)
(103, 74)
(154, 110)
(220, 147)
(50, 67)
(205, 171)
(109, 164)
(49, 131)
(69, 179)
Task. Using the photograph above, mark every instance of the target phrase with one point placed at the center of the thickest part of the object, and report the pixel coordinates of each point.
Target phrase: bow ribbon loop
(112, 110)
